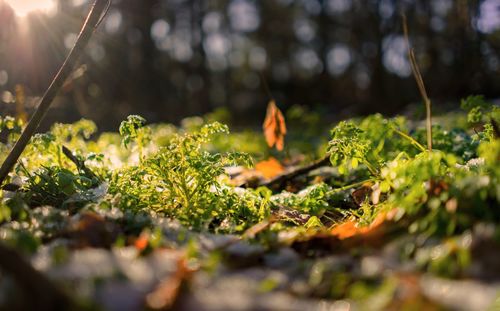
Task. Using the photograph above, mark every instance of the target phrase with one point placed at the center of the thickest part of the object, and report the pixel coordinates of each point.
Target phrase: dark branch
(83, 39)
(420, 83)
(280, 181)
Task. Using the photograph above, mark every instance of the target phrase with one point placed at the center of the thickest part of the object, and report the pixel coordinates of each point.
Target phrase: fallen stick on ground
(279, 181)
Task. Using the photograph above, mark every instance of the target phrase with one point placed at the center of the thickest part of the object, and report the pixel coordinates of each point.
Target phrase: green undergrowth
(181, 173)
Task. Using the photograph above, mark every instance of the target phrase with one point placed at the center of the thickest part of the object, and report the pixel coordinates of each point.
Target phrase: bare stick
(92, 20)
(279, 181)
(420, 83)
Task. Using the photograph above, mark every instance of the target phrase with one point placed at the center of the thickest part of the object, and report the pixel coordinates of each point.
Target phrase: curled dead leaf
(274, 126)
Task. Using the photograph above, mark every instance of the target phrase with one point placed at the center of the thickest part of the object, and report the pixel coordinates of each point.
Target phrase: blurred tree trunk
(144, 80)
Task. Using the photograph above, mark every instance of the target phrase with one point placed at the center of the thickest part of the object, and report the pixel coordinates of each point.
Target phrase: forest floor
(358, 215)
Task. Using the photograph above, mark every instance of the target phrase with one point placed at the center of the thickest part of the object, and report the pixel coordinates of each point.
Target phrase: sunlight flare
(24, 7)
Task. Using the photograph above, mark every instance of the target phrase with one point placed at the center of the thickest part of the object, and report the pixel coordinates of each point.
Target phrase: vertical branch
(93, 19)
(420, 83)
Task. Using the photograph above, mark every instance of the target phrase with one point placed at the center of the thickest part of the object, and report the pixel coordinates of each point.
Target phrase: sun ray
(24, 7)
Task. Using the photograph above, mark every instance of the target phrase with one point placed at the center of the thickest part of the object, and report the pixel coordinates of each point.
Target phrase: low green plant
(371, 142)
(76, 137)
(349, 147)
(180, 172)
(133, 130)
(13, 126)
(183, 180)
(10, 129)
(482, 113)
(442, 192)
(54, 186)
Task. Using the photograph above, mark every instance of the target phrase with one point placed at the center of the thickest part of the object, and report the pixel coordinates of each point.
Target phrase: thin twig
(83, 39)
(108, 6)
(354, 185)
(266, 86)
(410, 139)
(420, 83)
(279, 181)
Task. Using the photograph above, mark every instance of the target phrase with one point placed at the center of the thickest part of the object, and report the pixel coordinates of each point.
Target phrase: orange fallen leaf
(350, 228)
(274, 126)
(269, 168)
(349, 234)
(345, 230)
(142, 241)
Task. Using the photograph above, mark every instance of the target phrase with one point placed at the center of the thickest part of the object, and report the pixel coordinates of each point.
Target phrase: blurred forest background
(168, 59)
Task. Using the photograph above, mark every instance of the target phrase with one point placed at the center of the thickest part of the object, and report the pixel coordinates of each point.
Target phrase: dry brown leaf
(270, 168)
(167, 292)
(91, 230)
(274, 126)
(362, 193)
